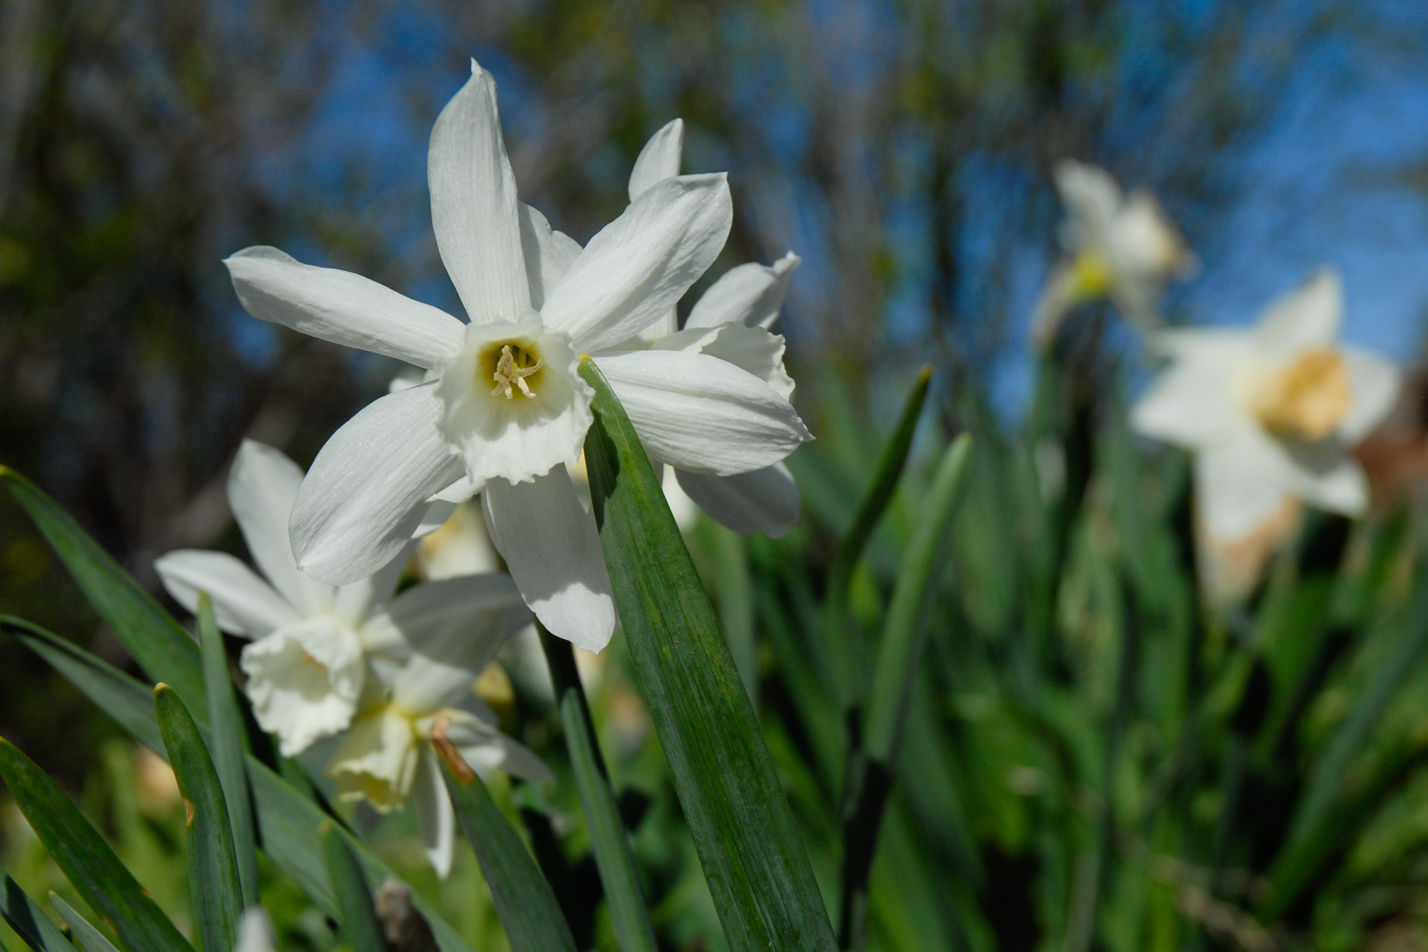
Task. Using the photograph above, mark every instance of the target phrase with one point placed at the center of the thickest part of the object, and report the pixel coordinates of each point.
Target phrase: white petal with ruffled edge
(243, 604)
(304, 680)
(368, 488)
(765, 500)
(436, 820)
(523, 434)
(553, 552)
(703, 414)
(473, 204)
(640, 265)
(750, 294)
(261, 488)
(341, 307)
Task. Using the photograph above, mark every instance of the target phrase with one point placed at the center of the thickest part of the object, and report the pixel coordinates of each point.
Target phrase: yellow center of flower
(511, 368)
(1308, 399)
(1090, 275)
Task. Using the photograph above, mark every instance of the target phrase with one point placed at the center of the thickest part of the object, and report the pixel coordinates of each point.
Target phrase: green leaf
(523, 897)
(287, 821)
(81, 853)
(214, 885)
(628, 913)
(756, 865)
(360, 925)
(89, 938)
(157, 642)
(230, 745)
(29, 921)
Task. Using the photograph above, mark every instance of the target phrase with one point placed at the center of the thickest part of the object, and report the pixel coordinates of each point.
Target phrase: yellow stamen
(508, 376)
(1308, 399)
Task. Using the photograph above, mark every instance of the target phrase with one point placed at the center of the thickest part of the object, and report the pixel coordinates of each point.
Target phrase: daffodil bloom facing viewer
(1271, 412)
(312, 645)
(502, 410)
(1119, 246)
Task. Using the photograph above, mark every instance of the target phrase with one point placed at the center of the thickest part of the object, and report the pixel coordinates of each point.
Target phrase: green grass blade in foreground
(523, 898)
(628, 912)
(88, 862)
(230, 745)
(215, 887)
(756, 865)
(89, 938)
(157, 642)
(287, 820)
(899, 659)
(29, 921)
(360, 925)
(850, 548)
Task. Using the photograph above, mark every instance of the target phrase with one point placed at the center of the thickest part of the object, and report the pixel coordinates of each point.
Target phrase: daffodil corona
(1272, 412)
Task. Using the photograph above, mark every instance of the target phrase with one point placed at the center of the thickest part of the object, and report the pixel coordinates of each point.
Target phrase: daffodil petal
(765, 500)
(1092, 197)
(243, 603)
(1304, 319)
(750, 294)
(435, 817)
(1338, 487)
(548, 254)
(1239, 485)
(367, 489)
(261, 488)
(474, 210)
(1191, 404)
(659, 159)
(355, 600)
(304, 681)
(1375, 384)
(635, 269)
(341, 307)
(474, 604)
(702, 414)
(552, 550)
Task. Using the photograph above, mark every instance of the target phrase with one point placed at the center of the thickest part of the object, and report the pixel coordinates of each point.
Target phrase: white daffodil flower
(386, 756)
(502, 410)
(255, 932)
(311, 643)
(1271, 412)
(1120, 246)
(732, 322)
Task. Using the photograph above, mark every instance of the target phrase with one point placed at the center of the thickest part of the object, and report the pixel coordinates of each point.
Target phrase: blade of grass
(86, 860)
(85, 934)
(287, 820)
(230, 745)
(157, 642)
(899, 660)
(360, 925)
(757, 868)
(29, 921)
(215, 885)
(628, 912)
(523, 897)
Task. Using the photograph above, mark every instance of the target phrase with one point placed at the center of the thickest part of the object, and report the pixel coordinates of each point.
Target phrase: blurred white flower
(255, 932)
(311, 643)
(1119, 246)
(387, 754)
(1271, 412)
(503, 410)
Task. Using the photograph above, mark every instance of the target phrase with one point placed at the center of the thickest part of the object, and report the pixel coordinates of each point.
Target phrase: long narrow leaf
(214, 883)
(162, 648)
(230, 744)
(360, 925)
(84, 857)
(756, 865)
(523, 897)
(89, 938)
(29, 921)
(899, 660)
(287, 821)
(628, 912)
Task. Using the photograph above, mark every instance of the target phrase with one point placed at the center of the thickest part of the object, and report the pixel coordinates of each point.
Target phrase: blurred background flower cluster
(1096, 759)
